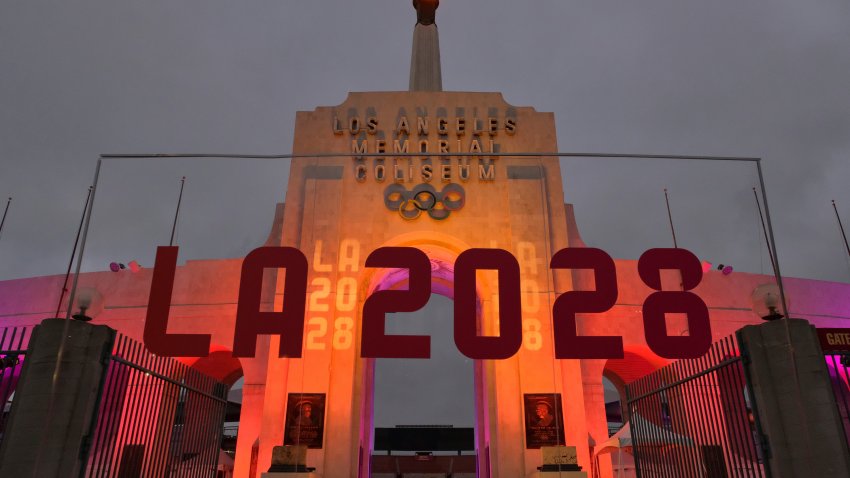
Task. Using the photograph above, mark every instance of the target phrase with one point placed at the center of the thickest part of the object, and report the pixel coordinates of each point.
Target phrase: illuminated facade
(338, 209)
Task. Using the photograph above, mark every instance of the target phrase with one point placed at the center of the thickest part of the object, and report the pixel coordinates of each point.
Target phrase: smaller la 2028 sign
(375, 343)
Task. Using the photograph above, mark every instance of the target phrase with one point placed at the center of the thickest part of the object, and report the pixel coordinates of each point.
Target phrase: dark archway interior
(227, 369)
(425, 403)
(405, 389)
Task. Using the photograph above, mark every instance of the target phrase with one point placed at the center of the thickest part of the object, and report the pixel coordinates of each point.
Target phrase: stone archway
(221, 365)
(637, 361)
(442, 250)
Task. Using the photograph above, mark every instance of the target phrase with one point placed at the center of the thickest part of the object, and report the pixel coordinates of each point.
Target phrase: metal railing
(694, 418)
(13, 348)
(156, 417)
(838, 364)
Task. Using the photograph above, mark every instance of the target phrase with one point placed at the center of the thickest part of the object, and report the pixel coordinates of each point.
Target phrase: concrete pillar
(43, 440)
(796, 406)
(250, 424)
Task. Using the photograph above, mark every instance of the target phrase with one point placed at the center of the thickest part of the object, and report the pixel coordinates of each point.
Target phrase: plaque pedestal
(296, 474)
(559, 461)
(558, 474)
(289, 461)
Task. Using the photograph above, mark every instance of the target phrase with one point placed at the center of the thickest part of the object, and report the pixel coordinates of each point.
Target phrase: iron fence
(838, 363)
(695, 418)
(13, 349)
(156, 417)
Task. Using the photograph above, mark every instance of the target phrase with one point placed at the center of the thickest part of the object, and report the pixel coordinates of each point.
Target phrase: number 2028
(375, 343)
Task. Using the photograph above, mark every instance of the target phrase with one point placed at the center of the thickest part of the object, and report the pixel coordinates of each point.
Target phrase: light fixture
(81, 314)
(89, 303)
(766, 302)
(706, 266)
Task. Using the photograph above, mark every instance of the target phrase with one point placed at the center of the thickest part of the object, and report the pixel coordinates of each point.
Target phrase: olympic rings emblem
(424, 197)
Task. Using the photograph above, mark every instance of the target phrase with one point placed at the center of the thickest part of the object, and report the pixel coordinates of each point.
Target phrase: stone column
(796, 405)
(46, 432)
(250, 423)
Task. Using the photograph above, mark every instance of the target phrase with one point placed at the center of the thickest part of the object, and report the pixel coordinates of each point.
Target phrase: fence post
(635, 446)
(46, 432)
(790, 384)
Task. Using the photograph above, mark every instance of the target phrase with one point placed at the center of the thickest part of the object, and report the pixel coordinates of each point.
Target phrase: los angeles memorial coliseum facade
(338, 209)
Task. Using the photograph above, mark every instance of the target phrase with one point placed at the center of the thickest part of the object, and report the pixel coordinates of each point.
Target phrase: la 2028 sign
(289, 323)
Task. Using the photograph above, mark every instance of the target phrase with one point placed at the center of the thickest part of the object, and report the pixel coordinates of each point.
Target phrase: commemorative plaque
(305, 419)
(544, 420)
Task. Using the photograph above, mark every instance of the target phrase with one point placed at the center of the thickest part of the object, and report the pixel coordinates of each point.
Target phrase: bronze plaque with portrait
(544, 420)
(305, 419)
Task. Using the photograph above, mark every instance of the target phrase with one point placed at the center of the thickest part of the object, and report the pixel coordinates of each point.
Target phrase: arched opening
(442, 251)
(231, 419)
(222, 366)
(616, 458)
(615, 405)
(635, 364)
(437, 391)
(415, 398)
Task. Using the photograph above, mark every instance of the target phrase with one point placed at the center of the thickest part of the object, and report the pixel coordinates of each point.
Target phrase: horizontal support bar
(695, 376)
(166, 379)
(418, 155)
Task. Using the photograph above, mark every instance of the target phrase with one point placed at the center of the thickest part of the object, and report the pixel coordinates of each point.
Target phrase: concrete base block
(289, 455)
(559, 455)
(40, 440)
(558, 474)
(290, 475)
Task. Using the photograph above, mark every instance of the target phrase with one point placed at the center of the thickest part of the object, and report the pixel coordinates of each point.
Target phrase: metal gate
(695, 418)
(13, 348)
(838, 362)
(156, 417)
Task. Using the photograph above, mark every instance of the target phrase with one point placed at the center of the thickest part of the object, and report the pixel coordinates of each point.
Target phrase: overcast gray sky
(757, 78)
(725, 77)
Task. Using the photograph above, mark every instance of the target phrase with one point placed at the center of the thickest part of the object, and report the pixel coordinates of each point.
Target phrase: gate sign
(834, 340)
